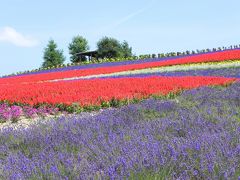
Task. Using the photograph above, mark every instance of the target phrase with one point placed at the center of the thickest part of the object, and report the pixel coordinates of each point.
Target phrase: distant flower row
(174, 68)
(231, 72)
(212, 57)
(146, 57)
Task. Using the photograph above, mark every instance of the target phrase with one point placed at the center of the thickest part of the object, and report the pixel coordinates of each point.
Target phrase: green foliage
(105, 104)
(74, 108)
(162, 174)
(52, 56)
(126, 50)
(115, 102)
(111, 48)
(78, 44)
(237, 173)
(91, 108)
(150, 114)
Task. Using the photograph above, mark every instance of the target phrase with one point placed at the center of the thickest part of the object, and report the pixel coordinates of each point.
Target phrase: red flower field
(92, 92)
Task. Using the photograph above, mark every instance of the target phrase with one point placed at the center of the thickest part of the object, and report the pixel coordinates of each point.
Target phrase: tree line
(107, 47)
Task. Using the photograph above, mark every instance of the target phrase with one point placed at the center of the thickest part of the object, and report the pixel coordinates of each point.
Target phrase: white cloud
(10, 35)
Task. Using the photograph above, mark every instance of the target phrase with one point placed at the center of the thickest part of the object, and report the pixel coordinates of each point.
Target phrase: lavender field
(195, 135)
(119, 90)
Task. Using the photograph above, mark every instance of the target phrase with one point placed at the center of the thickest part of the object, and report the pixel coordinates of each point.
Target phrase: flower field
(111, 84)
(172, 118)
(53, 88)
(194, 136)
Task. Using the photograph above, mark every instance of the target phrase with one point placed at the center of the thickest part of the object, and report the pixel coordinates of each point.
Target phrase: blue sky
(149, 26)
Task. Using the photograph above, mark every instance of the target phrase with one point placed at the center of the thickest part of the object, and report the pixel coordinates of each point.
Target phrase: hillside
(170, 118)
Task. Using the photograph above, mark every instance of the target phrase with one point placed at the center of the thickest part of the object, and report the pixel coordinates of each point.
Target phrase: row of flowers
(99, 91)
(230, 72)
(97, 62)
(184, 67)
(213, 57)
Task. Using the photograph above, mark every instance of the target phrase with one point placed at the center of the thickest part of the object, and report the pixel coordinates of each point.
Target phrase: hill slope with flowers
(173, 118)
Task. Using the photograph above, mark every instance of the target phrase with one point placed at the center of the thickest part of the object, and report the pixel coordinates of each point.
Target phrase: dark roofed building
(88, 54)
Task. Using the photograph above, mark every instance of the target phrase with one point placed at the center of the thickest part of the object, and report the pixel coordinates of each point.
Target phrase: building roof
(87, 53)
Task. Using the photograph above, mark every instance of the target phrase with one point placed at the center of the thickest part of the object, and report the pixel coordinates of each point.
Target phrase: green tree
(52, 56)
(78, 44)
(126, 50)
(109, 48)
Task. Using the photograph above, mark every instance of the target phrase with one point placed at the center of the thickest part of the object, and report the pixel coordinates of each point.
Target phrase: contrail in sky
(129, 16)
